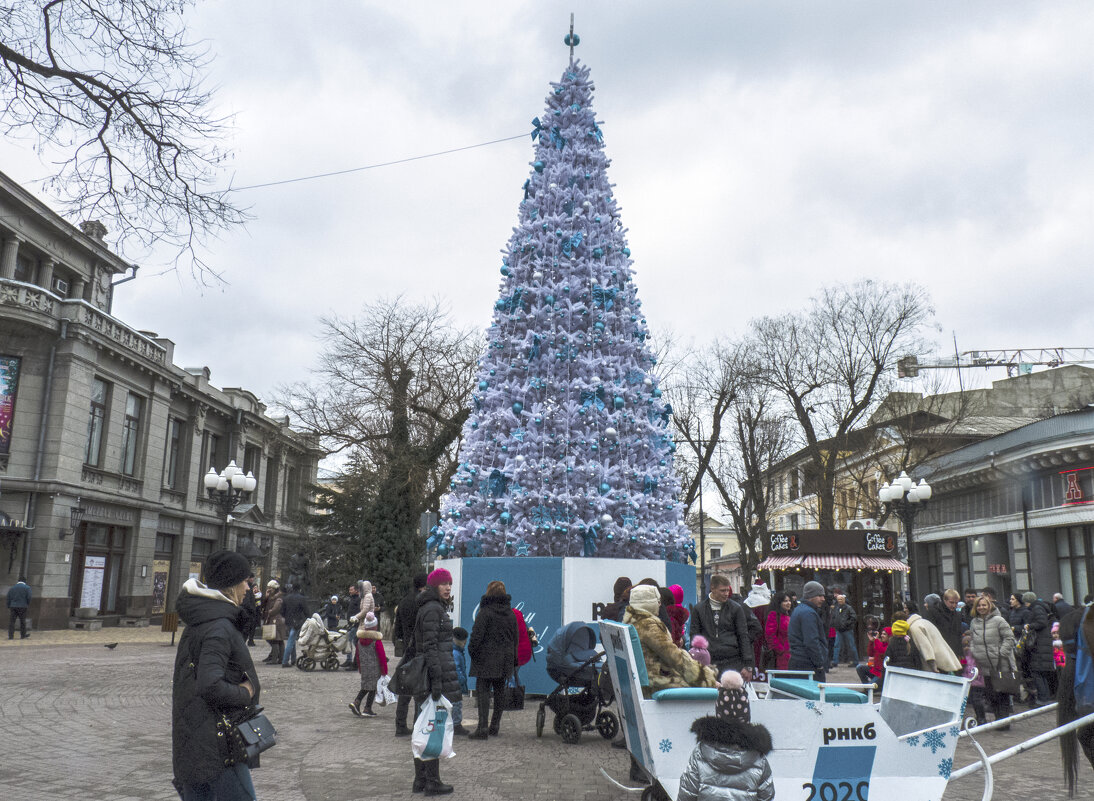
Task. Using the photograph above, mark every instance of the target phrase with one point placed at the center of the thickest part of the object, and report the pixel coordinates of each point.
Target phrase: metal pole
(1030, 713)
(702, 528)
(1051, 734)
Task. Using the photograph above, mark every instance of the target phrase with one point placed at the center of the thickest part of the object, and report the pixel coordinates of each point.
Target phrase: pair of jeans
(484, 689)
(234, 784)
(846, 640)
(289, 657)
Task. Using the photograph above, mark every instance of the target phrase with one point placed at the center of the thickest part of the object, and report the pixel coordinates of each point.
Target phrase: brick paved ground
(82, 721)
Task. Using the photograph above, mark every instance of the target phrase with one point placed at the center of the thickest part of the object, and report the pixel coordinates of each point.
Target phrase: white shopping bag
(384, 696)
(432, 736)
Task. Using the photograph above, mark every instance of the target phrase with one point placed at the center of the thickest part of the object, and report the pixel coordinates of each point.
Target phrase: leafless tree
(392, 391)
(735, 431)
(831, 364)
(113, 90)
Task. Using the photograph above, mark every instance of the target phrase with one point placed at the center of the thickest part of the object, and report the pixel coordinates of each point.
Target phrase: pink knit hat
(438, 577)
(677, 593)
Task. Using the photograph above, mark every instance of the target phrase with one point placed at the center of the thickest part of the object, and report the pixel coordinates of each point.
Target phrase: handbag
(245, 739)
(514, 693)
(269, 631)
(433, 730)
(1003, 681)
(411, 677)
(769, 660)
(1028, 640)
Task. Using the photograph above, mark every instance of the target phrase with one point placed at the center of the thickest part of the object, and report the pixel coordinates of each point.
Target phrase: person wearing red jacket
(524, 642)
(873, 672)
(678, 615)
(776, 631)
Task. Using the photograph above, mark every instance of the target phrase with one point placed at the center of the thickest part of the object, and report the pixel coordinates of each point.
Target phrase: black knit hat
(225, 569)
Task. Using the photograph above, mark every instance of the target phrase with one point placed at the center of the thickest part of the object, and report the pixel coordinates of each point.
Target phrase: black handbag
(411, 677)
(246, 736)
(514, 693)
(1003, 681)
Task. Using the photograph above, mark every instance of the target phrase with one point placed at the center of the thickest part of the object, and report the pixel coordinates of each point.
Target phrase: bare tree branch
(112, 89)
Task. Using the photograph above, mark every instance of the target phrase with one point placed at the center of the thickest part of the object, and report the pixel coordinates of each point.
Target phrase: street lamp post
(905, 499)
(227, 490)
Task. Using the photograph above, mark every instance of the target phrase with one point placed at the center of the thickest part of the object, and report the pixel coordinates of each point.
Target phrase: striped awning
(832, 561)
(884, 563)
(780, 563)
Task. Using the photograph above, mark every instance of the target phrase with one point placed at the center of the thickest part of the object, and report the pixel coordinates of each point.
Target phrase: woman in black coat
(433, 639)
(493, 651)
(1042, 662)
(214, 676)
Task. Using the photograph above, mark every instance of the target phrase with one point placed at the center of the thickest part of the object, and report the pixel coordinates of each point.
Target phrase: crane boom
(1021, 360)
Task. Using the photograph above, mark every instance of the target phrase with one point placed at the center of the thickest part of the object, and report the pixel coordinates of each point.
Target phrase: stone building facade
(104, 441)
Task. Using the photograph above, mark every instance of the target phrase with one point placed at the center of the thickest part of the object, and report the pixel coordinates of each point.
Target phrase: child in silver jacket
(730, 761)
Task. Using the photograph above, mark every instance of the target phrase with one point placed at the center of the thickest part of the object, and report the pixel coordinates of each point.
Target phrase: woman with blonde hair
(993, 649)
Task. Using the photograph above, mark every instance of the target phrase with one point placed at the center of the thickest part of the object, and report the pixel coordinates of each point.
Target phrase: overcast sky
(759, 149)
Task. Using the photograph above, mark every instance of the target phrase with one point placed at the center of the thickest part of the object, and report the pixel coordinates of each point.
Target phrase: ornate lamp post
(905, 499)
(227, 490)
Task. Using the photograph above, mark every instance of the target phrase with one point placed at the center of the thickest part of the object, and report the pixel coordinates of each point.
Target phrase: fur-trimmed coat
(729, 763)
(666, 665)
(936, 655)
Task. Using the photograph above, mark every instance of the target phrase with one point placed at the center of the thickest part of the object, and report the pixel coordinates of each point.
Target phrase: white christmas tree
(567, 451)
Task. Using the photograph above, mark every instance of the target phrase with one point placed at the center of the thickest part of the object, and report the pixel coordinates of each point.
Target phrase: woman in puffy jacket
(493, 651)
(993, 649)
(777, 630)
(433, 639)
(214, 677)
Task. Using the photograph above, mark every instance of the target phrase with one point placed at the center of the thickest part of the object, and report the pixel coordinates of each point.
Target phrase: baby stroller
(318, 646)
(582, 692)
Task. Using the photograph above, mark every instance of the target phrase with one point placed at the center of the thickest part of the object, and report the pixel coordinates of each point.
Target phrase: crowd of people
(722, 641)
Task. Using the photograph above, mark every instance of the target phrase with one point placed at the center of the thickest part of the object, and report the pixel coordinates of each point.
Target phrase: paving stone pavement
(84, 721)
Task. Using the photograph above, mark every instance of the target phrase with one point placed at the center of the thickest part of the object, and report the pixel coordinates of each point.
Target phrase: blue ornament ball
(605, 487)
(599, 326)
(518, 407)
(506, 517)
(537, 166)
(619, 402)
(483, 385)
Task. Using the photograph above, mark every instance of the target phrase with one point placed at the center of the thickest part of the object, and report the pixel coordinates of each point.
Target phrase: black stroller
(583, 691)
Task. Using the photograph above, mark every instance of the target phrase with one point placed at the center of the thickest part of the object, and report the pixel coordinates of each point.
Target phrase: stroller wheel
(607, 724)
(541, 719)
(330, 663)
(570, 729)
(305, 663)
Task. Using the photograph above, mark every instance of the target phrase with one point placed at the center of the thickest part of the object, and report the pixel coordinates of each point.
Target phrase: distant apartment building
(104, 441)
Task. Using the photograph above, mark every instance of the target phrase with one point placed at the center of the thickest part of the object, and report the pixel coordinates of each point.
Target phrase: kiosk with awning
(860, 562)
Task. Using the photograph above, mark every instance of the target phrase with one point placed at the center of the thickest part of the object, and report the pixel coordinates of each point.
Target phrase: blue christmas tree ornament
(568, 339)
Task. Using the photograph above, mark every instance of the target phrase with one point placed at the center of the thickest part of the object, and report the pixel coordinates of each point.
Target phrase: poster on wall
(195, 570)
(161, 571)
(91, 594)
(9, 383)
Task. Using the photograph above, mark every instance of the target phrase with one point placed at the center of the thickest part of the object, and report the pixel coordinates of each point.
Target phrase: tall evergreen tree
(567, 450)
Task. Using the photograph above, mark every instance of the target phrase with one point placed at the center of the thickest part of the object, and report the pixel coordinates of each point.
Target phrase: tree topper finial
(572, 39)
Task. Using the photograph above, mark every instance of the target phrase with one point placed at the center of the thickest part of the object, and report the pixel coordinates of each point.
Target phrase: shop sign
(1073, 486)
(9, 384)
(998, 569)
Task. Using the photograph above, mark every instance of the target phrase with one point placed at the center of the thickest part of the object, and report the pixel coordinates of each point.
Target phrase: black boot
(419, 776)
(366, 710)
(433, 784)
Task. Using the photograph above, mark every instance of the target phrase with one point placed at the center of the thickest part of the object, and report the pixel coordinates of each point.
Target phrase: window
(24, 269)
(210, 447)
(96, 422)
(292, 490)
(794, 521)
(795, 489)
(171, 478)
(201, 549)
(269, 497)
(131, 433)
(715, 553)
(252, 458)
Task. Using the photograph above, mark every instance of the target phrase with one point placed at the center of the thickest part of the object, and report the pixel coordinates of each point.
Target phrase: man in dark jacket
(1060, 606)
(843, 620)
(722, 621)
(808, 632)
(295, 610)
(18, 600)
(214, 676)
(947, 620)
(405, 614)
